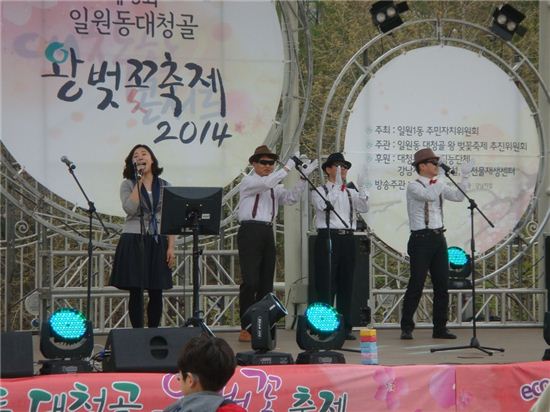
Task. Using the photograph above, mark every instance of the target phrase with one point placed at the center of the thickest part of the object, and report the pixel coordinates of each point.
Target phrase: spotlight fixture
(260, 321)
(385, 14)
(506, 22)
(460, 268)
(65, 340)
(319, 330)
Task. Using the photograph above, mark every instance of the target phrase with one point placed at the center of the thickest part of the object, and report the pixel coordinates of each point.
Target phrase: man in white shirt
(338, 281)
(260, 196)
(427, 246)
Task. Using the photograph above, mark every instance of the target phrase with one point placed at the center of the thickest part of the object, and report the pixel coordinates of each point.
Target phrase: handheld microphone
(138, 171)
(446, 168)
(69, 164)
(299, 162)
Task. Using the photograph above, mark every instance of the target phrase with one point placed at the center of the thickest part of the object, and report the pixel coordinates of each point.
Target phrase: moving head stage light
(65, 340)
(319, 330)
(260, 321)
(460, 268)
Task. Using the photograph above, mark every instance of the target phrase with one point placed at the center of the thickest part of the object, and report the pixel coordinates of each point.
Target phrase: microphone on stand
(446, 169)
(69, 164)
(299, 162)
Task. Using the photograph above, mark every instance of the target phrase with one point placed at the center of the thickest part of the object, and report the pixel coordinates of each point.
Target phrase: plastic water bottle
(368, 346)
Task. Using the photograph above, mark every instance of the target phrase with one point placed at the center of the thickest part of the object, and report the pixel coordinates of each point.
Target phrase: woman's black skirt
(147, 270)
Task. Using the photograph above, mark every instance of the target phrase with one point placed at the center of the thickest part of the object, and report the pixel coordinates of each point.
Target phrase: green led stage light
(319, 331)
(460, 268)
(322, 318)
(457, 257)
(66, 338)
(68, 325)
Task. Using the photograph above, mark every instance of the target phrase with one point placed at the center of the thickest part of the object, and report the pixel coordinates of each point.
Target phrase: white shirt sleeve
(253, 183)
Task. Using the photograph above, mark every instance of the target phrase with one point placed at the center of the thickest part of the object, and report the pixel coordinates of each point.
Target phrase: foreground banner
(297, 388)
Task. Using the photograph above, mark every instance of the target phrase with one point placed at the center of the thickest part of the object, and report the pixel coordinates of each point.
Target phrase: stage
(409, 378)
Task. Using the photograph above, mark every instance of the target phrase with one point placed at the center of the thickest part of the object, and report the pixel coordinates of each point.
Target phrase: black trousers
(339, 282)
(256, 244)
(428, 252)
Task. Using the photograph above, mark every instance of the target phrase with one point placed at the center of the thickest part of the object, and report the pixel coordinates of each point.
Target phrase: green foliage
(345, 26)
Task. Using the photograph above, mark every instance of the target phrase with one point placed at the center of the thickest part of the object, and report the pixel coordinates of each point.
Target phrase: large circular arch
(367, 61)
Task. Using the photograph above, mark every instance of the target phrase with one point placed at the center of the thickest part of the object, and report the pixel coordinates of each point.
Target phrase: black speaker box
(547, 267)
(146, 350)
(361, 288)
(546, 328)
(17, 355)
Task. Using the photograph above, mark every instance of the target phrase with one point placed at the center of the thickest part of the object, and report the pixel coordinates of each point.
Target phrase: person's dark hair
(128, 171)
(209, 358)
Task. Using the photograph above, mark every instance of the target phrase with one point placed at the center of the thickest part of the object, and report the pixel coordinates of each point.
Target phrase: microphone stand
(196, 320)
(474, 342)
(142, 242)
(328, 209)
(91, 211)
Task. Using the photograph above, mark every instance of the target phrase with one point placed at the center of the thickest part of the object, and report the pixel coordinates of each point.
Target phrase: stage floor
(408, 377)
(519, 344)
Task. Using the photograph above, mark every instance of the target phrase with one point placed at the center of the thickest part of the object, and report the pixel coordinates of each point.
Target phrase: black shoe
(350, 336)
(406, 334)
(443, 334)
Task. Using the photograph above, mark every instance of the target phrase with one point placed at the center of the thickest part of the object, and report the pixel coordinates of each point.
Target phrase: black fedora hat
(334, 158)
(260, 151)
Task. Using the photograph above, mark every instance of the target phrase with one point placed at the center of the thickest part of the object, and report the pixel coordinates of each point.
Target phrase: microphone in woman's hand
(138, 170)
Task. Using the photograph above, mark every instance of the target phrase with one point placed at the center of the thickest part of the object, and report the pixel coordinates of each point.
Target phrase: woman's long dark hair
(128, 171)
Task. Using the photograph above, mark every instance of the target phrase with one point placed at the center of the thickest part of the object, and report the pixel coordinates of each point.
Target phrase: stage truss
(509, 285)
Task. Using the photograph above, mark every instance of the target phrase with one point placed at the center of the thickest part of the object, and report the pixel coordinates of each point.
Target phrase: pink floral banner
(297, 388)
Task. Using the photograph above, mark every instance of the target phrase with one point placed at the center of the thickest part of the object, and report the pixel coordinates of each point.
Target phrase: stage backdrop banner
(198, 82)
(297, 388)
(426, 98)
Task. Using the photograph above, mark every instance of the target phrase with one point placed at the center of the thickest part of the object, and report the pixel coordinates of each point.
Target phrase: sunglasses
(342, 165)
(266, 162)
(433, 162)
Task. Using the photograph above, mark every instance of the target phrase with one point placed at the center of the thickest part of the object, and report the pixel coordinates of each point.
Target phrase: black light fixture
(260, 321)
(66, 338)
(460, 268)
(385, 14)
(319, 331)
(506, 22)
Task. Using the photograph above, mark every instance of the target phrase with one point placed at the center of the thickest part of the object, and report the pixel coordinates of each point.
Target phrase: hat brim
(329, 164)
(256, 157)
(424, 160)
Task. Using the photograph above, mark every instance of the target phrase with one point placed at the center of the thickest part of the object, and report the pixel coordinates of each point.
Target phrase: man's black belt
(438, 231)
(336, 231)
(256, 222)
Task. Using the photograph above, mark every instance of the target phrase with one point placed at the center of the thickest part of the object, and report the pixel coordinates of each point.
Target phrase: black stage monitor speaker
(146, 350)
(17, 355)
(360, 297)
(547, 267)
